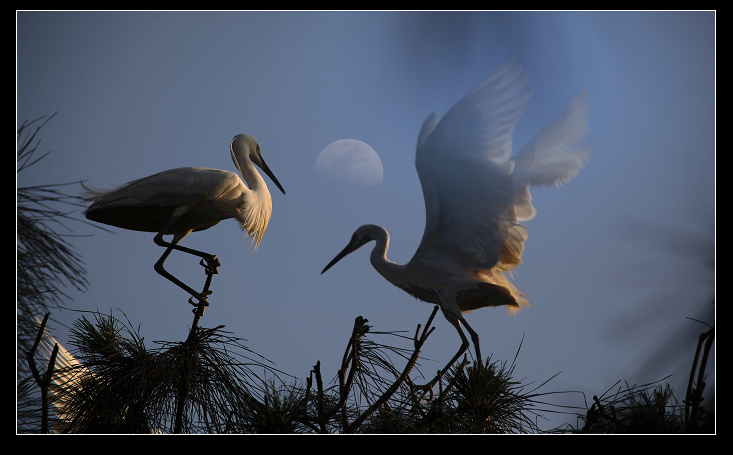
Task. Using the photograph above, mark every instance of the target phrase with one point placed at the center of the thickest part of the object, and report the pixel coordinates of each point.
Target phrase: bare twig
(420, 340)
(43, 381)
(694, 396)
(350, 363)
(322, 419)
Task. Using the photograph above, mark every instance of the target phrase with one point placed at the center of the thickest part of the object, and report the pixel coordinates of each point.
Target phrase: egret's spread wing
(481, 124)
(464, 168)
(553, 156)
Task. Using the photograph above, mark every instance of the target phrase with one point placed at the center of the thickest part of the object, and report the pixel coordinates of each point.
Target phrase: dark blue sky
(615, 260)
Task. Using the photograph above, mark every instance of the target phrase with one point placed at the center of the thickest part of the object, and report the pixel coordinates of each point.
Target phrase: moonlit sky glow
(615, 260)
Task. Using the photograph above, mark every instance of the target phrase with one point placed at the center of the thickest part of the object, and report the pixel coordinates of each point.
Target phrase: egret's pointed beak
(353, 245)
(270, 174)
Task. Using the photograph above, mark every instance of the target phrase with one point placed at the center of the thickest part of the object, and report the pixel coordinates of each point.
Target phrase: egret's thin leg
(463, 348)
(475, 340)
(211, 260)
(437, 377)
(454, 320)
(163, 272)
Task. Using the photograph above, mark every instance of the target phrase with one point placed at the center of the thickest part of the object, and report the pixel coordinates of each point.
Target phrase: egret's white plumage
(184, 200)
(475, 195)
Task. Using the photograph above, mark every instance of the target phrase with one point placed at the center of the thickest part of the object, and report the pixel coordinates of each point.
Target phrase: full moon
(351, 160)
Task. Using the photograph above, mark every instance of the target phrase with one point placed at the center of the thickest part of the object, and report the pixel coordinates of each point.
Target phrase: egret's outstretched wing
(553, 156)
(464, 168)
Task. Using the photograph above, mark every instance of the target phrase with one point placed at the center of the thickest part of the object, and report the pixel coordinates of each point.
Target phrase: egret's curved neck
(254, 180)
(255, 205)
(393, 272)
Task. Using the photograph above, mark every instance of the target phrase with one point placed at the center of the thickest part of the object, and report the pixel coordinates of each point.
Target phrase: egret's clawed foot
(200, 306)
(201, 299)
(210, 265)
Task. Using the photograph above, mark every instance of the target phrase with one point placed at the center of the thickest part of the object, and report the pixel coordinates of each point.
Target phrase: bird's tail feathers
(515, 300)
(90, 193)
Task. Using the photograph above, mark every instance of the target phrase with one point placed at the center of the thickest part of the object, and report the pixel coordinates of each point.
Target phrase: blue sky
(615, 261)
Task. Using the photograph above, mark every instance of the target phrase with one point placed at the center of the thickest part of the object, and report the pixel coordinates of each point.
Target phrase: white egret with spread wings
(189, 199)
(475, 196)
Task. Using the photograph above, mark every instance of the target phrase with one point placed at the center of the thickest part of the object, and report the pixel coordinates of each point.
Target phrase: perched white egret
(183, 200)
(475, 196)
